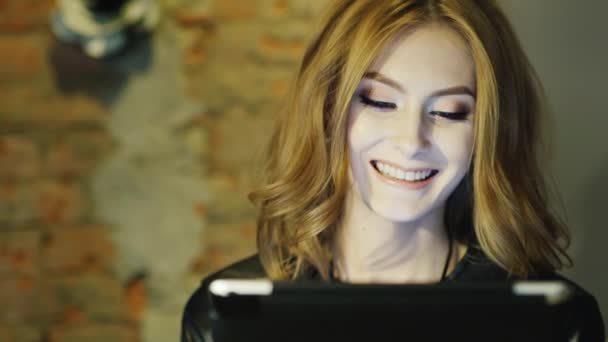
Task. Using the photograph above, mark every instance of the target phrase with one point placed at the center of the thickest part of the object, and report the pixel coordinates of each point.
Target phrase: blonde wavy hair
(500, 206)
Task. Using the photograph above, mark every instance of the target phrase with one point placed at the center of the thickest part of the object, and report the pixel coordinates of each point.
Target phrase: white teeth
(400, 174)
(410, 176)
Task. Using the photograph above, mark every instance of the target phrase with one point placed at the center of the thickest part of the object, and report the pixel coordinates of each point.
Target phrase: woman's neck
(372, 249)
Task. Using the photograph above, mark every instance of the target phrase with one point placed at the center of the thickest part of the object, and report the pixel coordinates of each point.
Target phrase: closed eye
(376, 104)
(455, 116)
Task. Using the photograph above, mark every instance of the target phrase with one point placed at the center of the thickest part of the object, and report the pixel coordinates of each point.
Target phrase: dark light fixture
(103, 28)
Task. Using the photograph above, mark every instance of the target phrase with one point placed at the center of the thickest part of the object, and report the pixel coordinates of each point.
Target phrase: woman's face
(410, 132)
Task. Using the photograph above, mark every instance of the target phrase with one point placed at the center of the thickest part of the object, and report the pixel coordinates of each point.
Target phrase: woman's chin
(401, 213)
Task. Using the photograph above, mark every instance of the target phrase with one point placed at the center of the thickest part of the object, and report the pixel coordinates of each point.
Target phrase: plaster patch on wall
(149, 189)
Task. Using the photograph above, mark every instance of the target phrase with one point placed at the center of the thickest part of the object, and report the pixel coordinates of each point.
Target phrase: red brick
(67, 109)
(196, 53)
(280, 7)
(276, 48)
(19, 253)
(306, 8)
(23, 58)
(195, 19)
(229, 199)
(19, 16)
(18, 299)
(236, 9)
(13, 98)
(280, 87)
(94, 333)
(19, 333)
(78, 153)
(77, 249)
(52, 202)
(60, 202)
(137, 299)
(83, 298)
(19, 158)
(224, 244)
(227, 139)
(24, 104)
(17, 203)
(274, 9)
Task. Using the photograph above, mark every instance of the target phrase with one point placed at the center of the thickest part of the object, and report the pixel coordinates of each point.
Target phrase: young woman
(407, 153)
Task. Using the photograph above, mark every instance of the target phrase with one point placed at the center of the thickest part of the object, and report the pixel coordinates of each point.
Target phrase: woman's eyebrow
(456, 90)
(373, 75)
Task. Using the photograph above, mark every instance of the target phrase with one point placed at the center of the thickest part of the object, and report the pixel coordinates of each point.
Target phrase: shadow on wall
(592, 203)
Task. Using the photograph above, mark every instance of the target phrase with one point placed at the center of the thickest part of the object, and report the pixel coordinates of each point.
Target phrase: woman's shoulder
(249, 267)
(475, 266)
(583, 309)
(195, 318)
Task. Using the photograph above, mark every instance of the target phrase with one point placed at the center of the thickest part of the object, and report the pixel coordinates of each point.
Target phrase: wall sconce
(103, 28)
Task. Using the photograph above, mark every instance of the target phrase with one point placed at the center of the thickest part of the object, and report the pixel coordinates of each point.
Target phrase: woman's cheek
(364, 132)
(456, 142)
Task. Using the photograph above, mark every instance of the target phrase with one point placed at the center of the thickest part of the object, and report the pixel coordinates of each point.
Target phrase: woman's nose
(410, 134)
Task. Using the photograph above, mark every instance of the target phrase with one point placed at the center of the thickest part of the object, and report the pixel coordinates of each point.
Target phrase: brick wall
(122, 183)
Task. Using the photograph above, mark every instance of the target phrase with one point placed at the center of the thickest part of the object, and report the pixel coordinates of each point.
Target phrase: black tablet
(262, 310)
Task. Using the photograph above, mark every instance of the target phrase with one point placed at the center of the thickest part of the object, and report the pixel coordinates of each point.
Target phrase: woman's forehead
(426, 58)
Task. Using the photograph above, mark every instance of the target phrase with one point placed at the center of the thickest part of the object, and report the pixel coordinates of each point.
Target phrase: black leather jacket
(585, 316)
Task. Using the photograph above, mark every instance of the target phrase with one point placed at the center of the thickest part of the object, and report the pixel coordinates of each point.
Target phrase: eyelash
(376, 104)
(454, 116)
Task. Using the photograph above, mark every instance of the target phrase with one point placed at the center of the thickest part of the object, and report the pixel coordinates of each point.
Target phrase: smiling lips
(411, 179)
